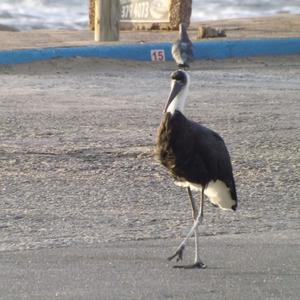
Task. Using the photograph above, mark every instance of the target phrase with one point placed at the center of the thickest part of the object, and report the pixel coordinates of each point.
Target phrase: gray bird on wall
(182, 49)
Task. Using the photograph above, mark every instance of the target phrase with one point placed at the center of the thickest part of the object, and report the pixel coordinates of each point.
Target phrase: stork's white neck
(178, 102)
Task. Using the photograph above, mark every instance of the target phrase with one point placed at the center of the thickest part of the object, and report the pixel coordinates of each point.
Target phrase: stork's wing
(215, 156)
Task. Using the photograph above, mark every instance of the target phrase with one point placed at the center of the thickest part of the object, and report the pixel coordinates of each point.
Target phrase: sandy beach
(86, 211)
(77, 139)
(285, 25)
(78, 172)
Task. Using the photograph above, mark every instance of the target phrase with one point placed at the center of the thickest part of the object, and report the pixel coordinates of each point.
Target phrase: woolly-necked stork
(196, 157)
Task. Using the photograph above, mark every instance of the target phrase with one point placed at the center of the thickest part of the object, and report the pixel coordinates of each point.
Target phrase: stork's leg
(198, 263)
(198, 217)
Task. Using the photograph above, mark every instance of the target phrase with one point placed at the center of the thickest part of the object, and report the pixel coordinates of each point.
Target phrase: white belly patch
(216, 191)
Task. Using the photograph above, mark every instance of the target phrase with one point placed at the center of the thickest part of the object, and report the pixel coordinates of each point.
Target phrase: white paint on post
(97, 20)
(145, 10)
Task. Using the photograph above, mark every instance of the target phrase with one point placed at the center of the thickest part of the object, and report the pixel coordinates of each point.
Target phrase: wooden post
(107, 14)
(97, 25)
(180, 12)
(92, 14)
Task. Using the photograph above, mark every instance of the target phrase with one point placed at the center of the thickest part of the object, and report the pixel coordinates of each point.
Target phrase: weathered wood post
(107, 15)
(180, 12)
(92, 15)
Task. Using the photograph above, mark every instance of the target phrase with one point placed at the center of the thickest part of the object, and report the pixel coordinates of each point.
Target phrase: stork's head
(179, 90)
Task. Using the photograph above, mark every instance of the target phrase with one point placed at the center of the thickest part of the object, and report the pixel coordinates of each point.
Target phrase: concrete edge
(209, 49)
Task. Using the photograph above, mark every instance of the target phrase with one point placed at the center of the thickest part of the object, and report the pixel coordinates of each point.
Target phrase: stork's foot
(197, 265)
(178, 253)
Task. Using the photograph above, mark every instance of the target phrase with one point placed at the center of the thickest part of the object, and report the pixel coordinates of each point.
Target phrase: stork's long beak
(175, 90)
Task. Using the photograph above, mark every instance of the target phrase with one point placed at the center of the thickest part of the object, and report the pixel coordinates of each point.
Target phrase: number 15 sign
(158, 55)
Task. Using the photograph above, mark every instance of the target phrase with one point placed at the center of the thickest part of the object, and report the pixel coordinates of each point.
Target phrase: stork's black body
(196, 157)
(193, 153)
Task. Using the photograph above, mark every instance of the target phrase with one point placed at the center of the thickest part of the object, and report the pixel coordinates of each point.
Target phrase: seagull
(182, 49)
(197, 159)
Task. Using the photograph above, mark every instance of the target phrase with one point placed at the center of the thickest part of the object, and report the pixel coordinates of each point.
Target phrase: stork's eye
(179, 76)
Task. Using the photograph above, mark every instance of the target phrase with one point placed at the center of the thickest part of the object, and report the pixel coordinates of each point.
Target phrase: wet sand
(246, 266)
